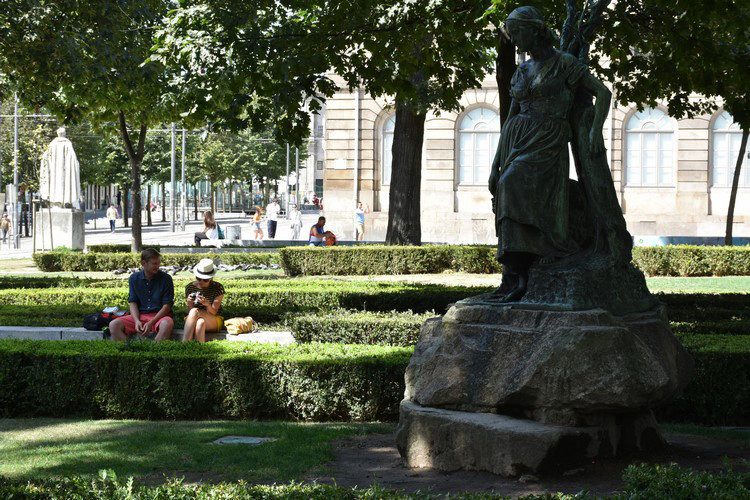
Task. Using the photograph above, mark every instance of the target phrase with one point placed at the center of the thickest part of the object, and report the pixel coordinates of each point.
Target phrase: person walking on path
(150, 297)
(112, 216)
(272, 216)
(359, 220)
(5, 226)
(295, 216)
(257, 218)
(203, 297)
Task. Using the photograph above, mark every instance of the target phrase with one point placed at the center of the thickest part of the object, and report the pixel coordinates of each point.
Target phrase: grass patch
(704, 284)
(735, 435)
(41, 448)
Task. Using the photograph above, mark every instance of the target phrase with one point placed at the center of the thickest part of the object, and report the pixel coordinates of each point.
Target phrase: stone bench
(70, 333)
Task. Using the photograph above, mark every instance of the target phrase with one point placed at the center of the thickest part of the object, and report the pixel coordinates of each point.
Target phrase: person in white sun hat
(203, 296)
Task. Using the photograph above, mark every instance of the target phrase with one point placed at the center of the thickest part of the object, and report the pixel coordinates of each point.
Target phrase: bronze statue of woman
(529, 177)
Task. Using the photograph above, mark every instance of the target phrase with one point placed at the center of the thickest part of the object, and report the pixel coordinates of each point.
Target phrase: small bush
(352, 327)
(92, 261)
(201, 381)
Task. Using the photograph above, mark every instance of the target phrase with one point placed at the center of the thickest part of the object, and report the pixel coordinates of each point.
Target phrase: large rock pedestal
(513, 390)
(60, 227)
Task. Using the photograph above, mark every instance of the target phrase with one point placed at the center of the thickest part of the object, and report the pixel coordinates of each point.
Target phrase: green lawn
(735, 435)
(38, 448)
(707, 284)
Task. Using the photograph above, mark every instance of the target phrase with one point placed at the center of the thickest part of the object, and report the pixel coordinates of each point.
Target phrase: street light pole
(296, 182)
(288, 191)
(16, 218)
(184, 185)
(172, 210)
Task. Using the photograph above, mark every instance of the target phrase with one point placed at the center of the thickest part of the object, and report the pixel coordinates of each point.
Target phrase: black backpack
(97, 322)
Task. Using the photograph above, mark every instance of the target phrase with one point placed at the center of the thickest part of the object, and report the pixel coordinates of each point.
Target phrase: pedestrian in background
(359, 220)
(272, 216)
(112, 217)
(296, 217)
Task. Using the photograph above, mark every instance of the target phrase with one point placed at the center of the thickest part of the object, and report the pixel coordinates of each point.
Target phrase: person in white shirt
(295, 216)
(272, 216)
(112, 216)
(359, 220)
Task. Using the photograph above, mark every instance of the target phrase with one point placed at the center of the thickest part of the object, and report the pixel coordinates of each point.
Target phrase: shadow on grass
(40, 448)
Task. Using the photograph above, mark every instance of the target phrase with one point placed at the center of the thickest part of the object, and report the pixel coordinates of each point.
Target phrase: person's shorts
(219, 322)
(360, 228)
(129, 322)
(256, 226)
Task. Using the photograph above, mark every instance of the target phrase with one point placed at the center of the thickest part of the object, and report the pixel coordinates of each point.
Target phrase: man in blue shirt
(150, 297)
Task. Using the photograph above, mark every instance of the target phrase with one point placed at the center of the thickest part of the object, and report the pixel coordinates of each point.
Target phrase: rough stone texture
(453, 440)
(513, 390)
(67, 229)
(590, 283)
(553, 366)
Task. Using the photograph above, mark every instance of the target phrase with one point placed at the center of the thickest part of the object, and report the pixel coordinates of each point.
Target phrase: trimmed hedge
(672, 260)
(352, 327)
(173, 380)
(92, 261)
(264, 300)
(719, 393)
(693, 260)
(381, 259)
(116, 247)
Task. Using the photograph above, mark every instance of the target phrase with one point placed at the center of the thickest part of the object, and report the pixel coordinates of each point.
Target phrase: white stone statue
(59, 179)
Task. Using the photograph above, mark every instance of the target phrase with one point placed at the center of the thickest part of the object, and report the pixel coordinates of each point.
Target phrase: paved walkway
(69, 333)
(97, 232)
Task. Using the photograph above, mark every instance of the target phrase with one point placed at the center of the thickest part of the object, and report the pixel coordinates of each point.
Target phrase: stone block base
(451, 440)
(59, 227)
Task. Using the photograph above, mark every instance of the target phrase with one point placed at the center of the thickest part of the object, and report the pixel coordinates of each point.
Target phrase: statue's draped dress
(531, 198)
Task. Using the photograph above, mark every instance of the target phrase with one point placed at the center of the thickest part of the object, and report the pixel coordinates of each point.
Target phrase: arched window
(649, 149)
(726, 147)
(478, 134)
(387, 147)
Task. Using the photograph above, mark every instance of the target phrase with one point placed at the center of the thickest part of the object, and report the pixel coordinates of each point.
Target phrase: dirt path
(373, 459)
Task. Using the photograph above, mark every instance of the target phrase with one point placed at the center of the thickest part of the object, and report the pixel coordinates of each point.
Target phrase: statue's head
(527, 29)
(61, 132)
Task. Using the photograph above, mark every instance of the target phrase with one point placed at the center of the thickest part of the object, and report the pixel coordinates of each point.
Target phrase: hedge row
(673, 260)
(641, 481)
(353, 327)
(692, 260)
(192, 381)
(380, 259)
(116, 247)
(92, 261)
(265, 300)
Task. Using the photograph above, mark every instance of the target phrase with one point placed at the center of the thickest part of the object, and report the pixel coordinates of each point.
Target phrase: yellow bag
(235, 326)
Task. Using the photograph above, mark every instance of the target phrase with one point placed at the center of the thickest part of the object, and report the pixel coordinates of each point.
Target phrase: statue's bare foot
(515, 295)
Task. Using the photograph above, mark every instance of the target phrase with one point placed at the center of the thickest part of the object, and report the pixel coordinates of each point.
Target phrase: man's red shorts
(129, 322)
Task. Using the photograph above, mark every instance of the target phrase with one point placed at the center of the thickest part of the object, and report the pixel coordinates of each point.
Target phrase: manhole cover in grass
(250, 440)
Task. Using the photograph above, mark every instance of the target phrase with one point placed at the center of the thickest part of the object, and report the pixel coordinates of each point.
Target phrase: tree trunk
(505, 66)
(404, 224)
(148, 205)
(163, 202)
(124, 205)
(231, 205)
(242, 197)
(212, 204)
(135, 156)
(735, 184)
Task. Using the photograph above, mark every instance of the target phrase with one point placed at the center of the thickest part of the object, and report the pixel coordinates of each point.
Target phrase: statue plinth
(58, 227)
(513, 390)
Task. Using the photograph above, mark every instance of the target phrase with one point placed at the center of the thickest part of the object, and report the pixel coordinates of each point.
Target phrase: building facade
(672, 177)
